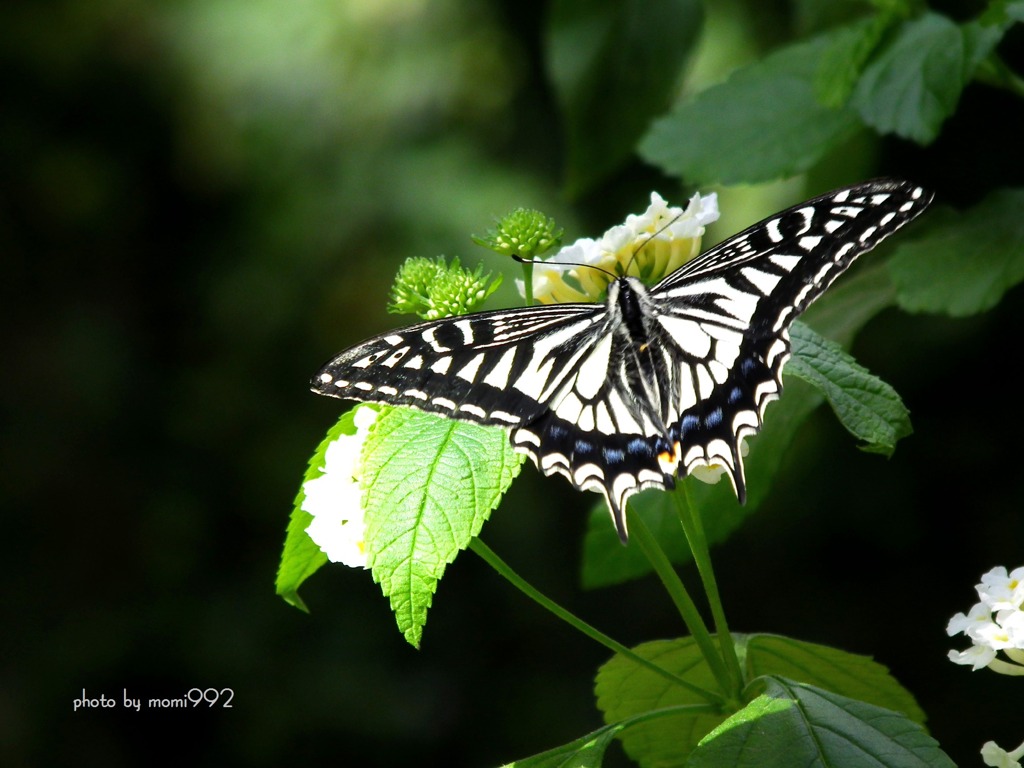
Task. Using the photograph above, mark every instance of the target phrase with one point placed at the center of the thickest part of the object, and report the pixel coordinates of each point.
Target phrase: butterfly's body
(626, 395)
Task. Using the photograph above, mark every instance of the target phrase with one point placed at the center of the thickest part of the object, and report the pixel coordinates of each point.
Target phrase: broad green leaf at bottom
(798, 724)
(626, 690)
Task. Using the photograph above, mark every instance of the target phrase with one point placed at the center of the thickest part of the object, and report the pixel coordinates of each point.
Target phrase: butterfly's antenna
(521, 260)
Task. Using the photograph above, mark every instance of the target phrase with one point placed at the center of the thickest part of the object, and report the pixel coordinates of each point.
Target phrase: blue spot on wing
(583, 449)
(613, 455)
(639, 447)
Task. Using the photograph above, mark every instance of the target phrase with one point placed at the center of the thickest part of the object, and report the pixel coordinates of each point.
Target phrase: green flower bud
(432, 288)
(523, 232)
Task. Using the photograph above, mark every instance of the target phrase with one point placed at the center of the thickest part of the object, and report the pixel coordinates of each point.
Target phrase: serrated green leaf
(843, 61)
(963, 263)
(614, 65)
(763, 123)
(858, 677)
(797, 724)
(866, 406)
(430, 484)
(301, 557)
(914, 83)
(626, 690)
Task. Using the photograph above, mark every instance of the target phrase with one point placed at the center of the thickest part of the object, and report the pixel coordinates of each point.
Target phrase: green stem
(693, 527)
(684, 604)
(528, 282)
(499, 565)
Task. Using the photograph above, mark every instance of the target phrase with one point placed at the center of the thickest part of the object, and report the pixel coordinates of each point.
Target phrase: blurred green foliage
(202, 201)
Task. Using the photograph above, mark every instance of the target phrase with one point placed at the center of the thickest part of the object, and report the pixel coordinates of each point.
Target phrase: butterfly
(629, 394)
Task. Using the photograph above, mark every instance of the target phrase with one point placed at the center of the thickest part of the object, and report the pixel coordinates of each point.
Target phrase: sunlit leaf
(624, 689)
(797, 724)
(430, 484)
(849, 674)
(846, 688)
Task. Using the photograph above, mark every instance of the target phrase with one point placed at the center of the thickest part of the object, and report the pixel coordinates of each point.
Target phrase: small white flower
(648, 246)
(549, 282)
(977, 656)
(999, 589)
(995, 624)
(335, 498)
(978, 615)
(997, 757)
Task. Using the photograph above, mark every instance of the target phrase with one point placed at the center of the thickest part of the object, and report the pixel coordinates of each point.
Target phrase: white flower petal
(335, 499)
(637, 247)
(1000, 589)
(976, 656)
(978, 615)
(997, 757)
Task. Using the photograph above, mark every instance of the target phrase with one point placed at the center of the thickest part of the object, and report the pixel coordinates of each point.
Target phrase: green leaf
(1014, 10)
(796, 724)
(763, 123)
(870, 409)
(614, 65)
(914, 83)
(963, 263)
(843, 61)
(626, 690)
(301, 557)
(430, 484)
(849, 674)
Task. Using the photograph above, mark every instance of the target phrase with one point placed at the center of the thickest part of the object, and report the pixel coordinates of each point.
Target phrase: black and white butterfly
(628, 394)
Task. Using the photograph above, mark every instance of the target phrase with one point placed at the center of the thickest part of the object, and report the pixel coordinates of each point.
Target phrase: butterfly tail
(618, 512)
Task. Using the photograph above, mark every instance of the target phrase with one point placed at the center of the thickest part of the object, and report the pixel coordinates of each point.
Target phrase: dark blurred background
(201, 201)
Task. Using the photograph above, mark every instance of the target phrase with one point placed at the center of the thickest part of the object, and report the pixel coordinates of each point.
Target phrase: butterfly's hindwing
(654, 383)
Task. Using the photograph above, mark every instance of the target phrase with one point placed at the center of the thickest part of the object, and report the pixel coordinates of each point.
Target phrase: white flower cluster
(648, 246)
(335, 499)
(994, 624)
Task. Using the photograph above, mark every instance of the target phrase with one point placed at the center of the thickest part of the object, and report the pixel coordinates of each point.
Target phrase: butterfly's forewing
(491, 367)
(729, 310)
